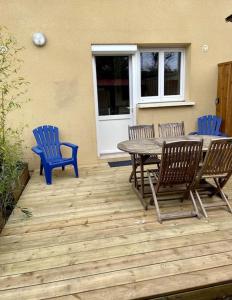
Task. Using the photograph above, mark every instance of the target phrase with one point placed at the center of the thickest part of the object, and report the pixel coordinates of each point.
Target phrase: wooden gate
(224, 96)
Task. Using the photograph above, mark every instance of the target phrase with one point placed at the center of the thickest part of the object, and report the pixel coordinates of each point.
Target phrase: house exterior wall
(61, 72)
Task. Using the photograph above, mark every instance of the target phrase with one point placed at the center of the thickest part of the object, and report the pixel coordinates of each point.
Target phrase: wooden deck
(89, 238)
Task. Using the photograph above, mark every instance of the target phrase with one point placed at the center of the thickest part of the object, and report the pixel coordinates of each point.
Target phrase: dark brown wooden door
(224, 97)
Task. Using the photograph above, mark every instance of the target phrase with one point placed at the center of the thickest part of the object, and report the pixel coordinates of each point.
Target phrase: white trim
(161, 97)
(115, 117)
(114, 155)
(113, 49)
(96, 103)
(113, 151)
(165, 104)
(134, 86)
(161, 76)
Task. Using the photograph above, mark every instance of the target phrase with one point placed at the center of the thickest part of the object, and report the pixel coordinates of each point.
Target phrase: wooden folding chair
(171, 129)
(218, 166)
(139, 132)
(179, 165)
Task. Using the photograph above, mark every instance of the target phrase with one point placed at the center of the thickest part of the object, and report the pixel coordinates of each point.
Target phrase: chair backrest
(218, 159)
(47, 138)
(179, 162)
(209, 125)
(139, 132)
(171, 129)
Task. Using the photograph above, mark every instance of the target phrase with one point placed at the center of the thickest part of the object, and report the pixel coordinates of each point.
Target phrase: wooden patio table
(142, 148)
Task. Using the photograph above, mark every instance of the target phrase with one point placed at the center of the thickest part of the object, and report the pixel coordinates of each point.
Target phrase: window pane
(149, 73)
(172, 73)
(113, 85)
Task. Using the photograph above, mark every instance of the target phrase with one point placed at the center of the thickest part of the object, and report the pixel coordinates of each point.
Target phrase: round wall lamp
(39, 39)
(3, 49)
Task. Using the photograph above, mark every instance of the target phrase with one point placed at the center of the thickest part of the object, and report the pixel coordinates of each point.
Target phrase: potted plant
(13, 87)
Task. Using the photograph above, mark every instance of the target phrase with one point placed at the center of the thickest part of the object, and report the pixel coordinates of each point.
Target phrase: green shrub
(13, 88)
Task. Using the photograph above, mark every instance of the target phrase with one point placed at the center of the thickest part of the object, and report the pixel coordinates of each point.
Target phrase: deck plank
(128, 276)
(89, 238)
(119, 261)
(159, 287)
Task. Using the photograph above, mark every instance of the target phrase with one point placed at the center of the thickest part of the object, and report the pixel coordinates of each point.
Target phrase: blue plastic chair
(209, 125)
(48, 149)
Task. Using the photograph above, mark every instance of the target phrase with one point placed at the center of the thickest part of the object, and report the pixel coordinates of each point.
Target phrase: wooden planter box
(17, 191)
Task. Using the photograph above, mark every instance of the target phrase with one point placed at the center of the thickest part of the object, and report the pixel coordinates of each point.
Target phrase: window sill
(165, 104)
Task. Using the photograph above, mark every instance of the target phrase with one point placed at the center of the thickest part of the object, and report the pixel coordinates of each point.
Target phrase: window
(113, 85)
(161, 75)
(149, 73)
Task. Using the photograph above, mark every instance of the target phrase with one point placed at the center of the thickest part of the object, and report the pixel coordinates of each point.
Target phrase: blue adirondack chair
(209, 125)
(48, 149)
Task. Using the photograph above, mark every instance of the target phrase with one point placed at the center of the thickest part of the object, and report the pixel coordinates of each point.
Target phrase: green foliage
(13, 88)
(10, 168)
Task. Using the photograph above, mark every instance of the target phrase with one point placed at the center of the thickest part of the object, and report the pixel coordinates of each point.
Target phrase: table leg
(140, 190)
(138, 184)
(141, 176)
(134, 171)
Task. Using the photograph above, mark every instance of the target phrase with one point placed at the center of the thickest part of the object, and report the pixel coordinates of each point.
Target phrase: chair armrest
(69, 145)
(37, 150)
(74, 148)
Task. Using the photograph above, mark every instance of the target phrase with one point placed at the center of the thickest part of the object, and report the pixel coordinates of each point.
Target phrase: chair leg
(154, 197)
(41, 169)
(194, 205)
(141, 176)
(76, 169)
(201, 204)
(223, 195)
(131, 176)
(48, 175)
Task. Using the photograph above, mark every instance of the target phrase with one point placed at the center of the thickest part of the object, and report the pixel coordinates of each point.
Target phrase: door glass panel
(172, 61)
(113, 85)
(149, 73)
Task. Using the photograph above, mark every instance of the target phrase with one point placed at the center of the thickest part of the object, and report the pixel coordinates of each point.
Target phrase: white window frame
(161, 97)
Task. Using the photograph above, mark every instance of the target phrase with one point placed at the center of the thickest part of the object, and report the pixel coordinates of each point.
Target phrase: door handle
(217, 100)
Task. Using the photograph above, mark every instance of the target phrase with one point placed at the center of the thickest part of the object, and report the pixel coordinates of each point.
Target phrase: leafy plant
(13, 88)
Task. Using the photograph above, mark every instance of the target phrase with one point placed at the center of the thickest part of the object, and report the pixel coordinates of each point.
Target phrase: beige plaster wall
(61, 73)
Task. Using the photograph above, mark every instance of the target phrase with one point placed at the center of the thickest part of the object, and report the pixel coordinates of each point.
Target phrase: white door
(114, 108)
